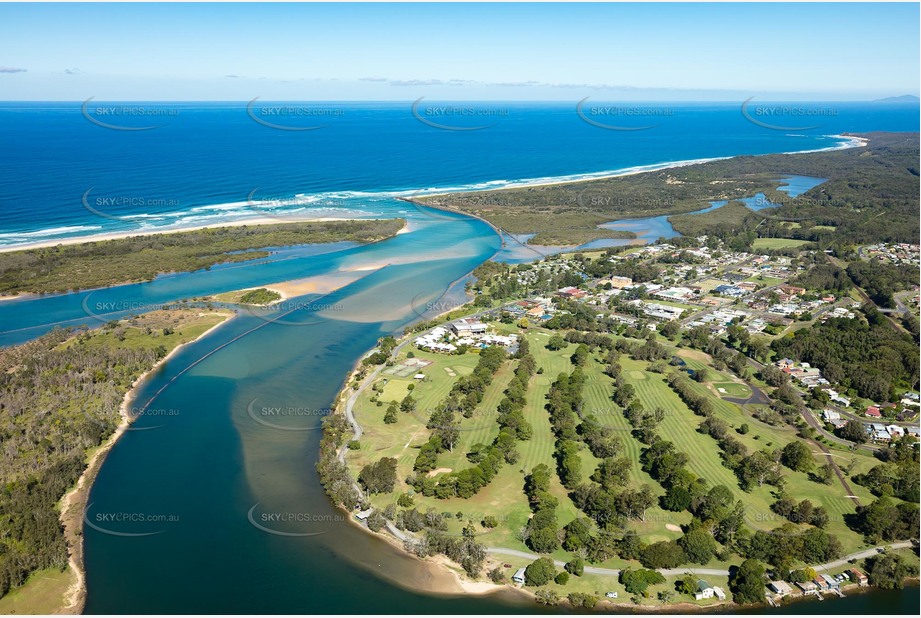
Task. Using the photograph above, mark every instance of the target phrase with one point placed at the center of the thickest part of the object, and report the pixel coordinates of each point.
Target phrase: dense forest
(880, 281)
(870, 195)
(60, 396)
(867, 355)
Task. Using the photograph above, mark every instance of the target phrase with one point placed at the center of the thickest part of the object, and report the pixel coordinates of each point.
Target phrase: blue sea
(77, 169)
(210, 470)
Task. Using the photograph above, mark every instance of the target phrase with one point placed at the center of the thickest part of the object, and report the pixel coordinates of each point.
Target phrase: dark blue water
(62, 175)
(206, 469)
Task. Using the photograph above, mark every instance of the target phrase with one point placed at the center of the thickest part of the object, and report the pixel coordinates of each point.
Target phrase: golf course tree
(698, 545)
(747, 582)
(797, 456)
(540, 572)
(884, 520)
(636, 581)
(663, 555)
(542, 531)
(379, 477)
(855, 431)
(390, 417)
(888, 570)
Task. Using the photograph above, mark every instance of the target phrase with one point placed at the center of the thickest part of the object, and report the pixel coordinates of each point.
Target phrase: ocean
(178, 501)
(63, 174)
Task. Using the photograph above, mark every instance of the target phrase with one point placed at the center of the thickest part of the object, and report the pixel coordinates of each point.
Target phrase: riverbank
(74, 502)
(141, 258)
(497, 555)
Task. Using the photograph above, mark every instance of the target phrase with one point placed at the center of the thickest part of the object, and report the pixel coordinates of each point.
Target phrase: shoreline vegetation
(78, 492)
(835, 200)
(103, 263)
(363, 375)
(137, 347)
(860, 175)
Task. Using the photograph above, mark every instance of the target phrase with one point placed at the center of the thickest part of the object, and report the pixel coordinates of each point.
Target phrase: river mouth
(218, 509)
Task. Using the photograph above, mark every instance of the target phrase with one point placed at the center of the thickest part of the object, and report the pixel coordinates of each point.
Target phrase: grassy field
(505, 498)
(765, 281)
(133, 332)
(732, 389)
(777, 243)
(707, 285)
(43, 593)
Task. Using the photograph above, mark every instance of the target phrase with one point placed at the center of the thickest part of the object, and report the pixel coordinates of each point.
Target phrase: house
(857, 577)
(518, 577)
(792, 290)
(618, 282)
(363, 515)
(729, 290)
(830, 582)
(572, 292)
(873, 411)
(535, 312)
(844, 401)
(820, 582)
(706, 591)
(807, 586)
(878, 432)
(780, 588)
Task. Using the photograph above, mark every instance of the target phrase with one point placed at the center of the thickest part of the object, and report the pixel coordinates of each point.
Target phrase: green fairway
(777, 243)
(732, 389)
(504, 497)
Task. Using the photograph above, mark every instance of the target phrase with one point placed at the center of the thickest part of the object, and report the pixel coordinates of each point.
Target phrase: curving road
(503, 551)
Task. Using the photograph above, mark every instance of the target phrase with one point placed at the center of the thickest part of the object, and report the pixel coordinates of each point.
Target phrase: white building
(468, 326)
(706, 591)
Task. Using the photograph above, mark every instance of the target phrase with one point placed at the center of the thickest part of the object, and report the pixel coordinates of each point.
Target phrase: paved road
(860, 555)
(503, 551)
(369, 379)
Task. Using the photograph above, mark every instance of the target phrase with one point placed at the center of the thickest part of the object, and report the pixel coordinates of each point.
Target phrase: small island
(260, 297)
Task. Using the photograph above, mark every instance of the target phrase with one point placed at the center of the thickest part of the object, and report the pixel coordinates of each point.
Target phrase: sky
(378, 52)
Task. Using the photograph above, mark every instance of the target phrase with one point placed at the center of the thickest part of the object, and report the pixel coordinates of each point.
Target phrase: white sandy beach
(76, 240)
(852, 141)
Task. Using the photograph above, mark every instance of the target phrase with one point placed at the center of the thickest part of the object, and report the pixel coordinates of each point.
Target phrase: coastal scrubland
(62, 396)
(870, 195)
(141, 258)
